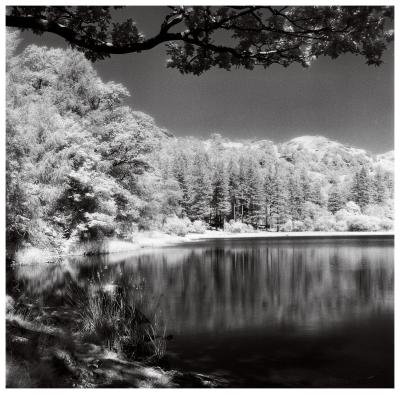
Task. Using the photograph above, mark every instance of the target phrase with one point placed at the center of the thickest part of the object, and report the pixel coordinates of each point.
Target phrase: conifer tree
(315, 193)
(389, 181)
(254, 193)
(233, 183)
(380, 190)
(242, 189)
(362, 188)
(269, 186)
(296, 195)
(277, 198)
(181, 174)
(220, 198)
(336, 199)
(200, 189)
(306, 185)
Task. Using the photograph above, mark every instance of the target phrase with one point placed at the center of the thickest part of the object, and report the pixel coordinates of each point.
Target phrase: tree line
(253, 184)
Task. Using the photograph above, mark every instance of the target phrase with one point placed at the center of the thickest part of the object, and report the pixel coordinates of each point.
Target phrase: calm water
(254, 312)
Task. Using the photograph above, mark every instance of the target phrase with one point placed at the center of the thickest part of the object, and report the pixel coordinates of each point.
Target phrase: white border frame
(185, 2)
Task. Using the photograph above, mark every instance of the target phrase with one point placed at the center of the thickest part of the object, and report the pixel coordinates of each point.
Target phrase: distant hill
(322, 154)
(317, 153)
(326, 161)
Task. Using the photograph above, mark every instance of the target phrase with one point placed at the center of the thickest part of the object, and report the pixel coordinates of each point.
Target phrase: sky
(342, 99)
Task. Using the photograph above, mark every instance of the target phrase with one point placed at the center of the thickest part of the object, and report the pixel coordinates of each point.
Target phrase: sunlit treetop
(199, 38)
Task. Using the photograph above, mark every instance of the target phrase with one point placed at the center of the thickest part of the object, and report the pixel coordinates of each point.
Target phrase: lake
(252, 312)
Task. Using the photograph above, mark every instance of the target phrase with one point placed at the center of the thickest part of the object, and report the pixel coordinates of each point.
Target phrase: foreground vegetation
(95, 340)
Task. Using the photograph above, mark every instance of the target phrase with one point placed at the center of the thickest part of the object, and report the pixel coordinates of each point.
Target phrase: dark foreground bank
(224, 312)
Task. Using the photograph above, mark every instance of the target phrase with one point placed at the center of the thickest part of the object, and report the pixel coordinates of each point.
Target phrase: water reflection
(229, 285)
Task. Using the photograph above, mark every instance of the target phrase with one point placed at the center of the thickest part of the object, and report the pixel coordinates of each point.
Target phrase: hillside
(318, 153)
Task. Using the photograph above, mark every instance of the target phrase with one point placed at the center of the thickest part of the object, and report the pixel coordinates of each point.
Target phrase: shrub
(100, 246)
(325, 223)
(44, 235)
(374, 210)
(238, 227)
(308, 224)
(125, 230)
(386, 224)
(76, 246)
(341, 225)
(148, 224)
(98, 225)
(298, 225)
(363, 223)
(313, 211)
(389, 209)
(31, 255)
(177, 226)
(352, 208)
(342, 215)
(198, 227)
(287, 226)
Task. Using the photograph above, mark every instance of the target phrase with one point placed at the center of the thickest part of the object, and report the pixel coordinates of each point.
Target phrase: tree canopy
(196, 37)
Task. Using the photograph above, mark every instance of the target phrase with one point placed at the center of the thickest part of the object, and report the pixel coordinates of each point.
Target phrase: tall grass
(156, 332)
(113, 320)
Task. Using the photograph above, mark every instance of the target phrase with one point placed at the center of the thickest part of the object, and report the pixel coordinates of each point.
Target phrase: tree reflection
(209, 287)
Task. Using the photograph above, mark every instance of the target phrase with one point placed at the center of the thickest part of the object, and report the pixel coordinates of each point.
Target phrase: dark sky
(342, 99)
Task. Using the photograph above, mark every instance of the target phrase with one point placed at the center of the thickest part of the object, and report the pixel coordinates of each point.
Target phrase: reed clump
(112, 319)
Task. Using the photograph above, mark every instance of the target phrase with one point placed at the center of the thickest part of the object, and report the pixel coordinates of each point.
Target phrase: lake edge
(155, 240)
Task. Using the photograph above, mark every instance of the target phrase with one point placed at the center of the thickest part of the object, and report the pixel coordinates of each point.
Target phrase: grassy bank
(150, 239)
(102, 342)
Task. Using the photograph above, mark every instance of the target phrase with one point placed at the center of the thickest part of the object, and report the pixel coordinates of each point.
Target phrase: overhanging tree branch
(91, 43)
(259, 34)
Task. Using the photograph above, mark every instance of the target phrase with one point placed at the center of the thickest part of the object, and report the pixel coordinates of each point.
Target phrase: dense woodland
(82, 165)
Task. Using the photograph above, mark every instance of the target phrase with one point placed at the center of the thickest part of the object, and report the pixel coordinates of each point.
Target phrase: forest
(82, 165)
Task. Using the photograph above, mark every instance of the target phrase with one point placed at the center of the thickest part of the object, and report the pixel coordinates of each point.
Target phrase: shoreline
(289, 235)
(147, 241)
